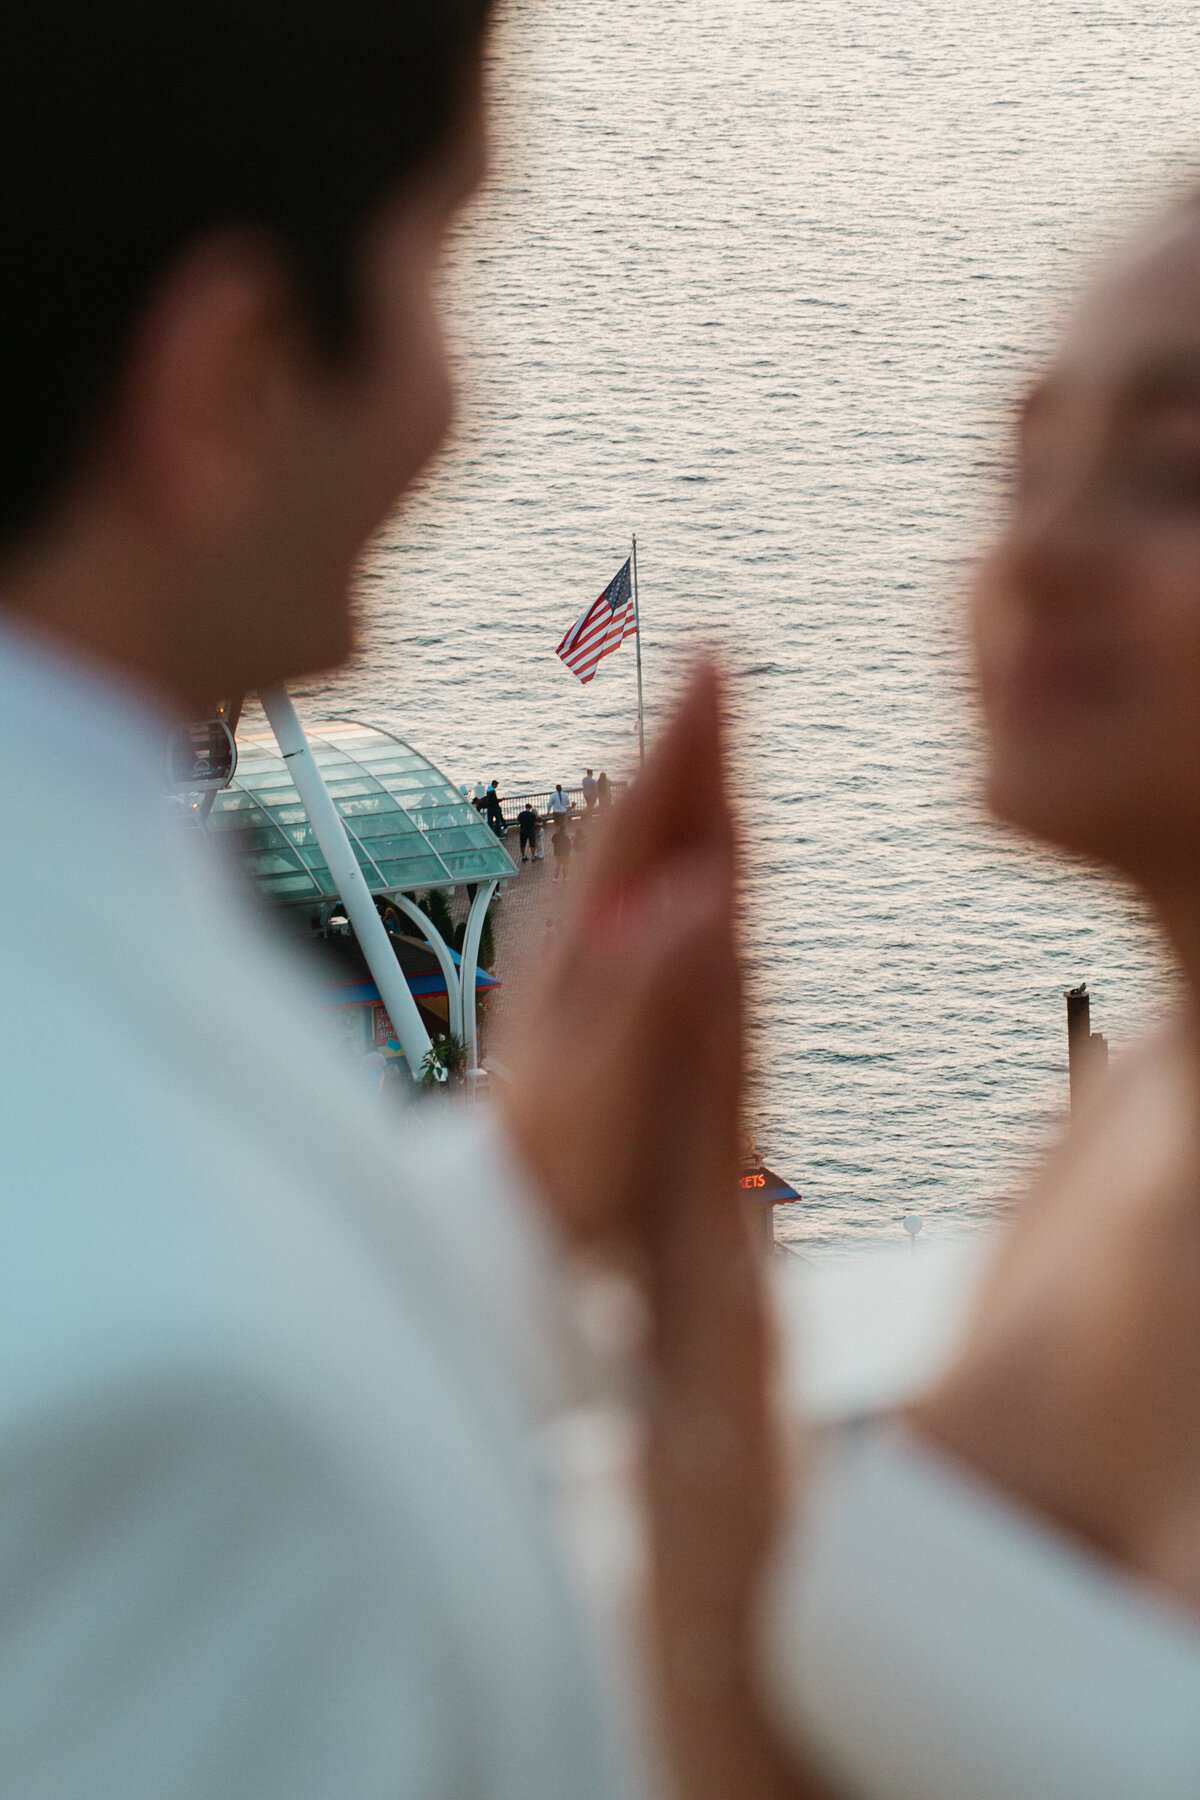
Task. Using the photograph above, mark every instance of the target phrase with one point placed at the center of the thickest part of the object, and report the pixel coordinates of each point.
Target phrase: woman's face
(1086, 612)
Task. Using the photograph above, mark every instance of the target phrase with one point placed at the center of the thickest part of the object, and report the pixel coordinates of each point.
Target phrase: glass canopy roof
(410, 827)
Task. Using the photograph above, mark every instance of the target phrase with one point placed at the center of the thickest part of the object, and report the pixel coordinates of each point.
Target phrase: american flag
(603, 628)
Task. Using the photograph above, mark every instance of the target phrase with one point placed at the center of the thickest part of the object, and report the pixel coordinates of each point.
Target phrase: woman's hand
(627, 1105)
(607, 1090)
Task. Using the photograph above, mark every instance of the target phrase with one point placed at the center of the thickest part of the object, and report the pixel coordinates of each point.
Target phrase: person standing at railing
(559, 806)
(528, 822)
(495, 815)
(589, 789)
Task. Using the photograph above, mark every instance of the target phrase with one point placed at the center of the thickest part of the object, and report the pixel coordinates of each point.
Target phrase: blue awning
(767, 1189)
(365, 993)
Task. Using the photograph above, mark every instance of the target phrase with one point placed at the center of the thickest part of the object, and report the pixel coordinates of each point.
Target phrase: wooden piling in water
(1087, 1050)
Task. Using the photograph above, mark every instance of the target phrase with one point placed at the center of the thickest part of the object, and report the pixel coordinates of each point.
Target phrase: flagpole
(637, 620)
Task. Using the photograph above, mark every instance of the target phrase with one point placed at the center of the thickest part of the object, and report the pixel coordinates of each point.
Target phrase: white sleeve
(934, 1641)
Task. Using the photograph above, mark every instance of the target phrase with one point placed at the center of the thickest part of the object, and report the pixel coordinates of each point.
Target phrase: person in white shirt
(275, 1520)
(559, 805)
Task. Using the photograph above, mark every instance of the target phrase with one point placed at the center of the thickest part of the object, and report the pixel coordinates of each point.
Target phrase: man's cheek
(416, 395)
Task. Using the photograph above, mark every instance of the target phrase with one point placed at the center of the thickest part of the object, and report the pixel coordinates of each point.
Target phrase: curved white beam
(441, 950)
(470, 965)
(330, 830)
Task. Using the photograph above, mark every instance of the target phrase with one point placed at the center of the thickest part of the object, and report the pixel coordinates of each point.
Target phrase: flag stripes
(603, 628)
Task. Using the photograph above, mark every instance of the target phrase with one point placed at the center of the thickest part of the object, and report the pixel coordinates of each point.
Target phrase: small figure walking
(603, 789)
(528, 822)
(589, 789)
(561, 845)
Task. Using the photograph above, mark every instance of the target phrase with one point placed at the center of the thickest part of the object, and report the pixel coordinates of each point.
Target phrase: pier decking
(520, 916)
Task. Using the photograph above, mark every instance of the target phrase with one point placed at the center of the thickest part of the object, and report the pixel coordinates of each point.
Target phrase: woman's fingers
(597, 1106)
(678, 800)
(608, 1038)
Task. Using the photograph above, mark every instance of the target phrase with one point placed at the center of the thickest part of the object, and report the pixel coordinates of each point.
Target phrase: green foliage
(444, 1064)
(436, 908)
(487, 941)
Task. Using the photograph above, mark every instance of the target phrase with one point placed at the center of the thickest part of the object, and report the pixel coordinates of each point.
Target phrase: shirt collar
(104, 726)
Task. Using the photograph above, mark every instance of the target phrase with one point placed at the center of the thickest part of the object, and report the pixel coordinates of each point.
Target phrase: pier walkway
(519, 919)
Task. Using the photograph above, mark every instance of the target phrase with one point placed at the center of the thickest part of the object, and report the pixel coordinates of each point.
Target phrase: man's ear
(209, 397)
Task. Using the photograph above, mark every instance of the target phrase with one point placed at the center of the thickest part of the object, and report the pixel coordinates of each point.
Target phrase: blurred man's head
(220, 355)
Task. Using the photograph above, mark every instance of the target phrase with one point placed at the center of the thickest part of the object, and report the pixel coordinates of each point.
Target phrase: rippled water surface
(753, 279)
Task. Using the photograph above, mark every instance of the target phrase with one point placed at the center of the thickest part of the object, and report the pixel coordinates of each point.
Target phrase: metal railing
(511, 804)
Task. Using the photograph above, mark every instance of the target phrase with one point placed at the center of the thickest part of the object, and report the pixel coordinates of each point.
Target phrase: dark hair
(129, 129)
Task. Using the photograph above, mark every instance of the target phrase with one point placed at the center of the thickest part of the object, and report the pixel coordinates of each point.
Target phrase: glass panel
(290, 887)
(275, 793)
(253, 838)
(371, 806)
(345, 789)
(233, 801)
(398, 849)
(440, 818)
(422, 778)
(388, 756)
(386, 822)
(431, 797)
(472, 864)
(457, 839)
(413, 872)
(272, 793)
(397, 756)
(466, 865)
(390, 770)
(310, 855)
(271, 862)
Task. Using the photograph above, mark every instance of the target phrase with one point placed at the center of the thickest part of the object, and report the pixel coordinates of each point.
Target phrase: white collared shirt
(272, 1524)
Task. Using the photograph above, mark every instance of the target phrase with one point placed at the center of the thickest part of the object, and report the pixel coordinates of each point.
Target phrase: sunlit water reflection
(753, 278)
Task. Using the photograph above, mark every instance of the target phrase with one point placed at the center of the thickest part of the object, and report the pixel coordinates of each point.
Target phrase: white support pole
(470, 964)
(326, 821)
(637, 620)
(441, 950)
